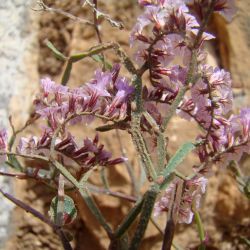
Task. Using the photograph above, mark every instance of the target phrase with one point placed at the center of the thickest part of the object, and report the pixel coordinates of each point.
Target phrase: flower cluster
(228, 142)
(190, 199)
(211, 98)
(106, 95)
(163, 37)
(88, 155)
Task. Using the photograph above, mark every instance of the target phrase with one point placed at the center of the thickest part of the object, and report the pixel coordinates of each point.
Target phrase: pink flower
(48, 86)
(228, 139)
(107, 93)
(226, 8)
(87, 155)
(100, 83)
(27, 145)
(191, 196)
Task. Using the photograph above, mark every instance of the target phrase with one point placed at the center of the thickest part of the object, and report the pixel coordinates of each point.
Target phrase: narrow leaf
(57, 53)
(66, 74)
(179, 156)
(100, 59)
(147, 208)
(13, 162)
(69, 210)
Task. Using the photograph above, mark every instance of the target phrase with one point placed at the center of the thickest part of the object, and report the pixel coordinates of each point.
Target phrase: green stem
(85, 195)
(147, 208)
(66, 74)
(201, 231)
(130, 218)
(161, 152)
(75, 58)
(136, 125)
(60, 203)
(95, 210)
(104, 178)
(141, 147)
(56, 52)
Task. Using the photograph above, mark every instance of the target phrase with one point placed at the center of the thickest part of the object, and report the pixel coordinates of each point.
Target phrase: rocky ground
(225, 210)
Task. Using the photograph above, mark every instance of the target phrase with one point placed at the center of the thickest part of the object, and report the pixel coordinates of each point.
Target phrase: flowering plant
(169, 39)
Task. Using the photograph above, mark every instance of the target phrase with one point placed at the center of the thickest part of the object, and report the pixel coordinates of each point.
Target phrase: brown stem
(168, 235)
(112, 22)
(97, 30)
(44, 7)
(175, 202)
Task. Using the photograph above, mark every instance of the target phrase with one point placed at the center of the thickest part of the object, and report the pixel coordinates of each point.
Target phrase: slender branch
(148, 205)
(30, 156)
(179, 96)
(95, 210)
(128, 166)
(77, 57)
(156, 226)
(97, 30)
(20, 130)
(44, 7)
(60, 203)
(104, 179)
(21, 176)
(200, 230)
(112, 22)
(129, 219)
(96, 22)
(120, 195)
(91, 187)
(41, 217)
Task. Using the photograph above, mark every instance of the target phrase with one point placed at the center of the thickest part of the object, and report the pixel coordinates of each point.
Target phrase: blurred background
(24, 59)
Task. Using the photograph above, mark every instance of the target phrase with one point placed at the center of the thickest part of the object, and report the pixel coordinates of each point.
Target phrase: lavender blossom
(226, 8)
(106, 94)
(191, 196)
